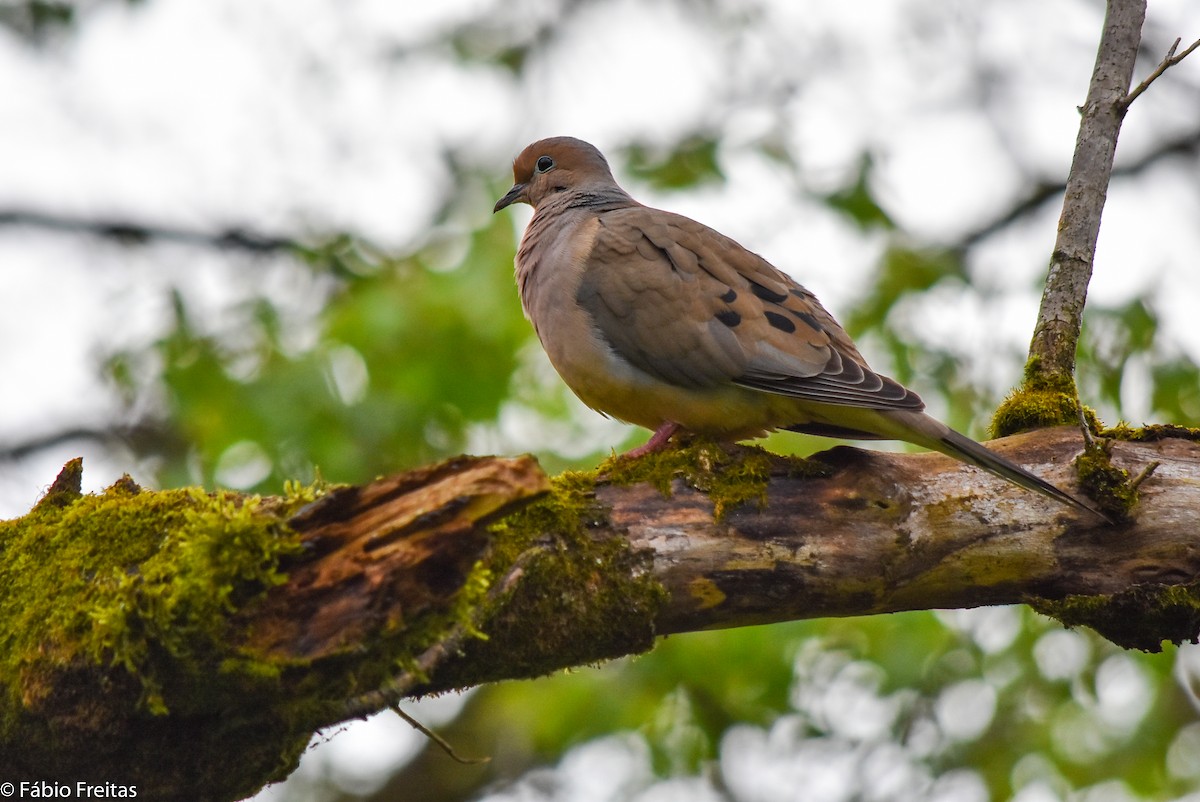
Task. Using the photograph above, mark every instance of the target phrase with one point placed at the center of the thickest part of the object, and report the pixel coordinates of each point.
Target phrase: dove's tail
(963, 448)
(919, 428)
(914, 426)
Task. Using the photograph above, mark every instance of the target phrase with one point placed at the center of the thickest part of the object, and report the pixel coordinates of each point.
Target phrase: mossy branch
(215, 632)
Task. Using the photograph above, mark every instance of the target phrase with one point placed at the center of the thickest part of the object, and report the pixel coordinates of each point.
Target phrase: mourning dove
(658, 320)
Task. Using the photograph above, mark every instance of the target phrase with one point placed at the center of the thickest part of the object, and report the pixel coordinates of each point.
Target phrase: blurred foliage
(1002, 693)
(409, 354)
(1121, 345)
(907, 274)
(857, 201)
(35, 19)
(690, 163)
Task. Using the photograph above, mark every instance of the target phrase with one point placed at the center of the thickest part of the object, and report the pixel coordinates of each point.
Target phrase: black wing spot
(768, 294)
(779, 321)
(729, 317)
(808, 319)
(730, 296)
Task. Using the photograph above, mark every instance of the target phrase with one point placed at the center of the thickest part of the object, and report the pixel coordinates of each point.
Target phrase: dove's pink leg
(656, 442)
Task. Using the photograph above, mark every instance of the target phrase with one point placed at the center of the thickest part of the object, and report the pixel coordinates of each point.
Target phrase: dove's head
(558, 164)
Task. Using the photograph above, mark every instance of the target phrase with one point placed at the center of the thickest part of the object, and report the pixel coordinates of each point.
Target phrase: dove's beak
(515, 195)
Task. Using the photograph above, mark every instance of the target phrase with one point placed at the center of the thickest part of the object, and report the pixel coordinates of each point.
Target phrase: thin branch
(51, 440)
(1045, 191)
(1144, 474)
(1056, 336)
(1170, 60)
(144, 436)
(130, 232)
(1089, 442)
(437, 739)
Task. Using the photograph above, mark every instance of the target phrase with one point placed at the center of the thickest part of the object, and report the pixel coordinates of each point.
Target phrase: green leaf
(858, 203)
(689, 163)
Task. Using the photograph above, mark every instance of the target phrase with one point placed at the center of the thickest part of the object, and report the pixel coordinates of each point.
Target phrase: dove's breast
(550, 267)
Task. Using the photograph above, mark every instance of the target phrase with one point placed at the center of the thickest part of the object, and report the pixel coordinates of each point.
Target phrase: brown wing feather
(699, 310)
(650, 311)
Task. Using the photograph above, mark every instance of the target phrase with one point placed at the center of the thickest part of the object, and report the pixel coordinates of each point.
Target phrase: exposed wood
(387, 552)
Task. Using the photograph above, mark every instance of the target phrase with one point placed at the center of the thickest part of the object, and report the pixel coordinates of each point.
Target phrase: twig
(1089, 442)
(439, 740)
(1145, 474)
(391, 692)
(145, 436)
(1169, 61)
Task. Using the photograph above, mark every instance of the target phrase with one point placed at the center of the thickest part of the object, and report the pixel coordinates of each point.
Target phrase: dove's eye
(545, 164)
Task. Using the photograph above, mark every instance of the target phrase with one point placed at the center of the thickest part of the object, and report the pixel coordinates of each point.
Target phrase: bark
(1056, 336)
(892, 532)
(480, 569)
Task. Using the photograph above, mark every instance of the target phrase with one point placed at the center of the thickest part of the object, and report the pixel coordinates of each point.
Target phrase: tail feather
(967, 450)
(919, 428)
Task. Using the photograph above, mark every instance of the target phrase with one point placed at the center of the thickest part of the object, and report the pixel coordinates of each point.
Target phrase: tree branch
(893, 532)
(1170, 60)
(1045, 191)
(131, 232)
(146, 436)
(1056, 336)
(477, 570)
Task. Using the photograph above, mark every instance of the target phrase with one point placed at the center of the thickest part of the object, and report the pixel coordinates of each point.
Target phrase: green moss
(122, 619)
(584, 595)
(1037, 377)
(1108, 485)
(1140, 617)
(67, 486)
(1024, 409)
(130, 578)
(1150, 432)
(1043, 400)
(1050, 400)
(729, 475)
(296, 495)
(581, 597)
